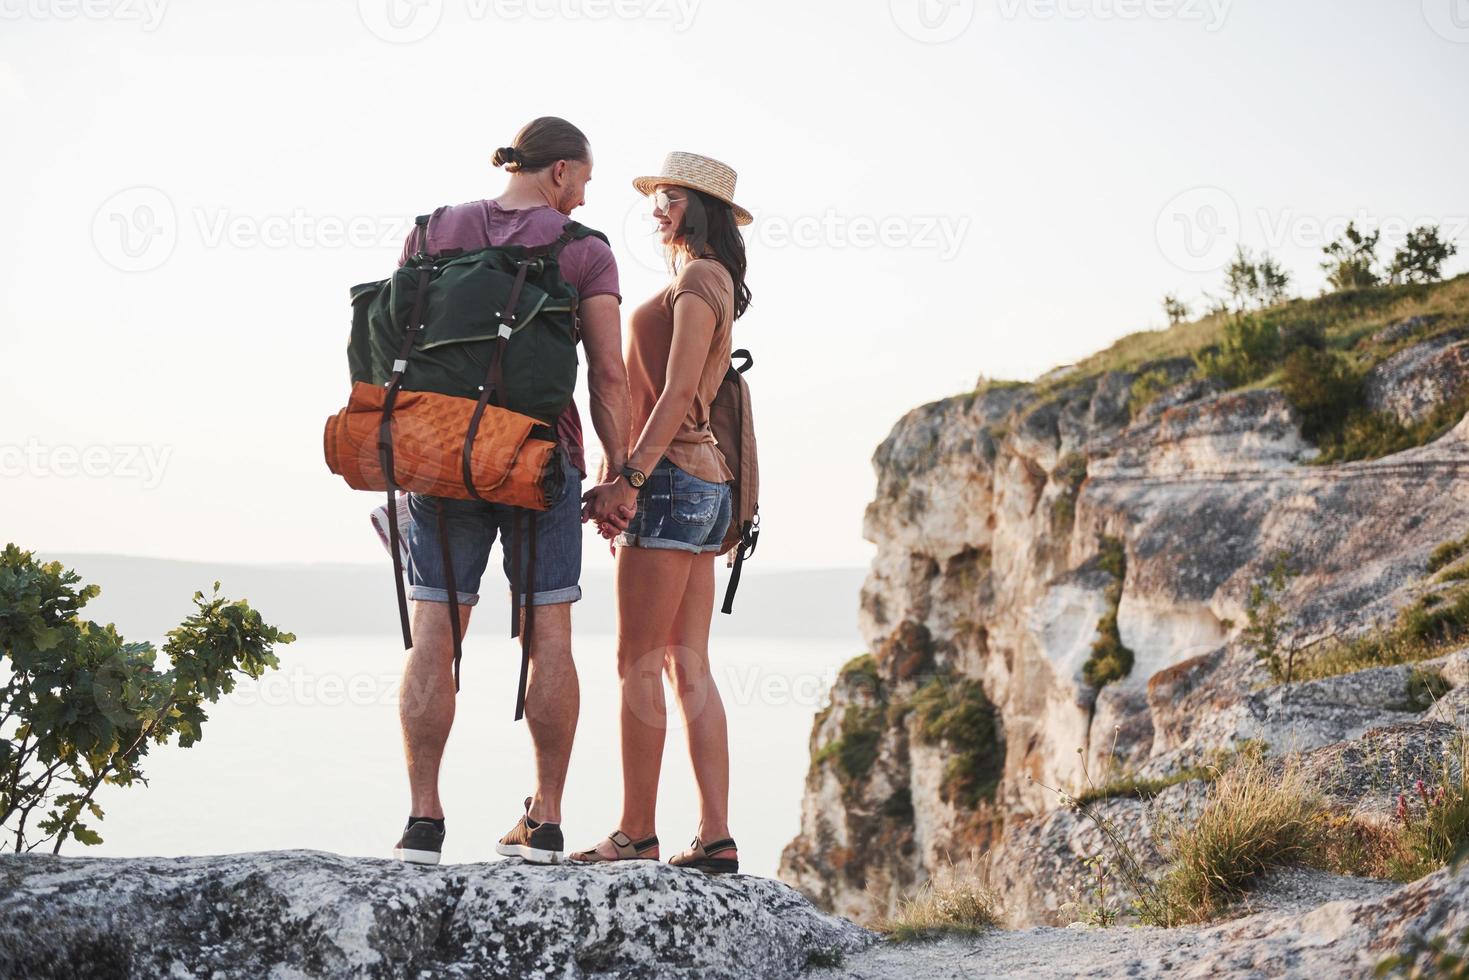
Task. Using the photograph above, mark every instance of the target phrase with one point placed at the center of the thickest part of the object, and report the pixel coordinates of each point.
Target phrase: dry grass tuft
(962, 908)
(1258, 817)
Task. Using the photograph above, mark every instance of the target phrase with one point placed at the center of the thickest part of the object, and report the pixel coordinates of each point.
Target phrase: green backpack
(464, 297)
(497, 325)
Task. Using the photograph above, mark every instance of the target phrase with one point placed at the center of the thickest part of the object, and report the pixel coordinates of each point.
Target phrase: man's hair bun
(504, 155)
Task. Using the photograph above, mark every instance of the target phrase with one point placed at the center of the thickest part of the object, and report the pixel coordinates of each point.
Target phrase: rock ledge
(295, 914)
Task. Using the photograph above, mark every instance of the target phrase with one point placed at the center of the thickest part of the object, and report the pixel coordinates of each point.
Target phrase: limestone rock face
(1415, 381)
(296, 914)
(1017, 524)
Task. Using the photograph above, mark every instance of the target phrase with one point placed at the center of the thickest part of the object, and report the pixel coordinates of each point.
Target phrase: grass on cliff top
(1344, 317)
(1434, 625)
(1318, 352)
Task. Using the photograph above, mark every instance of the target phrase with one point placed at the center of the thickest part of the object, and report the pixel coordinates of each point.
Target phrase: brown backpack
(733, 425)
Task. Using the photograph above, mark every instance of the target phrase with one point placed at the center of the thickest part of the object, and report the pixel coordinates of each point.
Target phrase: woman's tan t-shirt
(693, 448)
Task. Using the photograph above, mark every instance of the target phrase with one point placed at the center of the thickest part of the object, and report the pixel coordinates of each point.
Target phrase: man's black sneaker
(539, 843)
(421, 843)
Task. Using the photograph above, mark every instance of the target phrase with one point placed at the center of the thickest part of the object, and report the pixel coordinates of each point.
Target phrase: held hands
(612, 504)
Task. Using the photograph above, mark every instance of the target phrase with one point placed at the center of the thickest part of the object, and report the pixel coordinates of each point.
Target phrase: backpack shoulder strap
(421, 222)
(575, 231)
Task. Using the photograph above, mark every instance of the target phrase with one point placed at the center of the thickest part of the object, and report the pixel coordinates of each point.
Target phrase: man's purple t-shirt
(587, 264)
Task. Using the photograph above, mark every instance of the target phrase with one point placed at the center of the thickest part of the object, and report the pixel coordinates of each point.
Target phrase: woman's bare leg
(650, 584)
(699, 700)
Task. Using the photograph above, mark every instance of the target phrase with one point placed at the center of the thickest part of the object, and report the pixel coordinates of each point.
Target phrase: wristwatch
(636, 477)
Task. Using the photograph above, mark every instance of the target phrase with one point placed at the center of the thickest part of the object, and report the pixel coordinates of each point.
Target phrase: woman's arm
(693, 331)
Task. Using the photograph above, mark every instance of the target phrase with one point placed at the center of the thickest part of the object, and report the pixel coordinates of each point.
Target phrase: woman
(675, 492)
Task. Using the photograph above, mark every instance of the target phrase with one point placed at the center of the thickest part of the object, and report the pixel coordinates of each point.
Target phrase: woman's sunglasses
(662, 200)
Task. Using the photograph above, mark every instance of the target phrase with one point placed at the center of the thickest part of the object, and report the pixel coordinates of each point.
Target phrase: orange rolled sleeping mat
(508, 465)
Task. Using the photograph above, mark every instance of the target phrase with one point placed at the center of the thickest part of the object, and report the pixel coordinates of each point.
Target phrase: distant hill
(146, 597)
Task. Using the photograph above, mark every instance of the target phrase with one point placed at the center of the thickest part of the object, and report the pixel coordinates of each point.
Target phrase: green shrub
(1268, 624)
(1422, 631)
(1069, 475)
(861, 676)
(1112, 557)
(959, 716)
(855, 750)
(1435, 818)
(1323, 387)
(1365, 434)
(1426, 688)
(1448, 553)
(1137, 788)
(1435, 959)
(1146, 389)
(1110, 659)
(1249, 350)
(89, 706)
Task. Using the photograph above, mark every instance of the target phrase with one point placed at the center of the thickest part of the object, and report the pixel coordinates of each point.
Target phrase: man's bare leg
(552, 703)
(426, 702)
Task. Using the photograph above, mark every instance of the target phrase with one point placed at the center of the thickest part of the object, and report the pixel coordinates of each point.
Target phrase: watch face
(635, 477)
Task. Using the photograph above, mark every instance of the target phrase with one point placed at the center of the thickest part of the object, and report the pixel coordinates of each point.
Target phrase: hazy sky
(943, 189)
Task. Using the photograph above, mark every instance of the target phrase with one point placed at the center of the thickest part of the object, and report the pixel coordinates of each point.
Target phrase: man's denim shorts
(473, 526)
(678, 510)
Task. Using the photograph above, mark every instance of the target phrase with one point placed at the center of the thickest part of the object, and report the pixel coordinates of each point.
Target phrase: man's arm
(601, 333)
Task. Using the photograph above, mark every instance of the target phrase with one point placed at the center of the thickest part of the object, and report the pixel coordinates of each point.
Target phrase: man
(550, 164)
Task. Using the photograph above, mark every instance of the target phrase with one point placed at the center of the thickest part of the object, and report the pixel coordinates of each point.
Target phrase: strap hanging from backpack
(749, 538)
(385, 427)
(451, 585)
(526, 588)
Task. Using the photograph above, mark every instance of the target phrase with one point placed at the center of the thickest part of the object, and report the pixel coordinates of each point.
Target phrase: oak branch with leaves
(80, 707)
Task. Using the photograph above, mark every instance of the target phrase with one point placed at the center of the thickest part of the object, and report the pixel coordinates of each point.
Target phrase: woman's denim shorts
(680, 511)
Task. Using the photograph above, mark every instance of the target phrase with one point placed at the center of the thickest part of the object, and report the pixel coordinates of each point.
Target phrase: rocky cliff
(310, 914)
(1061, 596)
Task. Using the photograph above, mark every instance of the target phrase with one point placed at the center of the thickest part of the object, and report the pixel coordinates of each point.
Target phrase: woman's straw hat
(700, 173)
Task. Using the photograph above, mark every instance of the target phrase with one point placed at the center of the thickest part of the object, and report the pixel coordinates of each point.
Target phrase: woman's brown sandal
(699, 858)
(626, 848)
